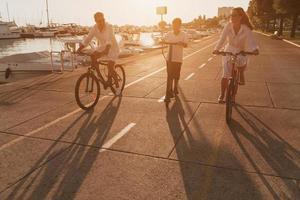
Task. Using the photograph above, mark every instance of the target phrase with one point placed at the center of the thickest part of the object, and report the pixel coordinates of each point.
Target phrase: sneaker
(118, 91)
(167, 99)
(176, 91)
(220, 99)
(241, 82)
(170, 94)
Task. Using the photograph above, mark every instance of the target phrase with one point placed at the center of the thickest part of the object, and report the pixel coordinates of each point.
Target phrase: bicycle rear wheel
(121, 78)
(87, 91)
(229, 95)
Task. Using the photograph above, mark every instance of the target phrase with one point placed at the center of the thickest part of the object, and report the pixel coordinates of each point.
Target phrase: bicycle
(87, 88)
(233, 80)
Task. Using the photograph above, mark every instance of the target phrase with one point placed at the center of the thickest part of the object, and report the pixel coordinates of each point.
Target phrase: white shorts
(227, 65)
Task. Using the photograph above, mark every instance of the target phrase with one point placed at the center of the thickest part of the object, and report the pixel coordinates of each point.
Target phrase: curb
(287, 41)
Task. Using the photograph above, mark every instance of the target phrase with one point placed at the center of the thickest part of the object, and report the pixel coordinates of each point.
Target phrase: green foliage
(262, 11)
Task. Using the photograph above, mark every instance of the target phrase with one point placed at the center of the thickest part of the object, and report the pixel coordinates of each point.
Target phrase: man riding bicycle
(108, 47)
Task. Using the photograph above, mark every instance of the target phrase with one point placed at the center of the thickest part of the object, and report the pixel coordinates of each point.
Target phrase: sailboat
(49, 30)
(9, 30)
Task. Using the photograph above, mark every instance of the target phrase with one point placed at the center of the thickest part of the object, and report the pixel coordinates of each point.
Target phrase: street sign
(161, 10)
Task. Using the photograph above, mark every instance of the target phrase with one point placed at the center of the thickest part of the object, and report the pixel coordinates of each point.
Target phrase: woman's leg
(242, 75)
(224, 84)
(224, 81)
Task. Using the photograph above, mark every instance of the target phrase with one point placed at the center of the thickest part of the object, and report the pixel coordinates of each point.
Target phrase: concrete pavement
(133, 147)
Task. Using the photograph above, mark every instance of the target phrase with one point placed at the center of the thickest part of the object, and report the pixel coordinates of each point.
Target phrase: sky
(120, 12)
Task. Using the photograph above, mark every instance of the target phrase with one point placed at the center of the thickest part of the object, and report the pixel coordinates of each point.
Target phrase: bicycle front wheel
(87, 91)
(117, 88)
(229, 97)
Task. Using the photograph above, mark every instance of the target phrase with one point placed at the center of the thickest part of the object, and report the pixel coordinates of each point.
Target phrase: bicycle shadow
(203, 179)
(282, 158)
(62, 177)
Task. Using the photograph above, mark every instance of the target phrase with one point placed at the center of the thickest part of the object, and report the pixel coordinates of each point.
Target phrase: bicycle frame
(233, 80)
(99, 76)
(234, 73)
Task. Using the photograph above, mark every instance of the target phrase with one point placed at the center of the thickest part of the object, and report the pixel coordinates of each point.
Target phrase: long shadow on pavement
(66, 175)
(205, 181)
(18, 95)
(280, 156)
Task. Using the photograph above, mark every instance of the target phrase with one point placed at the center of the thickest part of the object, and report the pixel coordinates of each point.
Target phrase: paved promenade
(133, 147)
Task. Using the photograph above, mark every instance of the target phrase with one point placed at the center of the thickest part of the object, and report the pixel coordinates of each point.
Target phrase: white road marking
(201, 66)
(43, 127)
(117, 137)
(199, 50)
(161, 99)
(79, 109)
(297, 45)
(190, 76)
(144, 77)
(287, 41)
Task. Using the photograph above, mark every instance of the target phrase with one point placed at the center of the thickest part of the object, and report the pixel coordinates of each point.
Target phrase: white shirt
(243, 40)
(176, 51)
(104, 38)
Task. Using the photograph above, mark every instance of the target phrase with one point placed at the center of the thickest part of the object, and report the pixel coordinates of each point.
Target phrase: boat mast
(47, 10)
(7, 11)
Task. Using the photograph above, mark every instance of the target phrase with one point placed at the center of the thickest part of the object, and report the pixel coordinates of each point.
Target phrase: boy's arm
(185, 41)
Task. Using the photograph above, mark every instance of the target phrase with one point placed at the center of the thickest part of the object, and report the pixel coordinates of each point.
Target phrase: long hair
(245, 19)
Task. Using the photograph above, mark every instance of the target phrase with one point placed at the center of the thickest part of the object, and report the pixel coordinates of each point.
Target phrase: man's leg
(169, 82)
(176, 86)
(112, 73)
(177, 76)
(94, 58)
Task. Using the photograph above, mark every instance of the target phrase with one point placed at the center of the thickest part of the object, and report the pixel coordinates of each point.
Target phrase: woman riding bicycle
(239, 37)
(108, 45)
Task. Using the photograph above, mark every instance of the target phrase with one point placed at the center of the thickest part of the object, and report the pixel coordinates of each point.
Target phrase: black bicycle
(87, 89)
(233, 81)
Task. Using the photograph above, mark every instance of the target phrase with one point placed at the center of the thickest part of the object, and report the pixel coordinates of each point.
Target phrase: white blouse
(243, 40)
(104, 38)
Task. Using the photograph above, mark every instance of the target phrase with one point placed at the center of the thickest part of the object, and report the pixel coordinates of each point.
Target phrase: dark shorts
(173, 69)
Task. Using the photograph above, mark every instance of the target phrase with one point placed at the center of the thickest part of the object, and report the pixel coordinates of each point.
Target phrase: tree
(289, 8)
(261, 13)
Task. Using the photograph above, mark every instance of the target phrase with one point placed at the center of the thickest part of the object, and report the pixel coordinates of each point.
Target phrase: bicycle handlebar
(225, 53)
(171, 43)
(80, 53)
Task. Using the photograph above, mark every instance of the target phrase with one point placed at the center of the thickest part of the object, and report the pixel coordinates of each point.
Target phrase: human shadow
(202, 176)
(61, 174)
(283, 160)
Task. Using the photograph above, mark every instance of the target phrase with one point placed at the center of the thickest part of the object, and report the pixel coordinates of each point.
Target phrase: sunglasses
(99, 21)
(234, 15)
